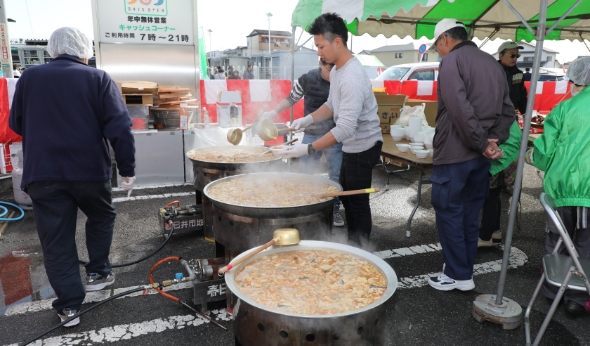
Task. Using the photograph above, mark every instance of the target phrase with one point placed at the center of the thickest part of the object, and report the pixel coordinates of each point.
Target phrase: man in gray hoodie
(474, 117)
(353, 106)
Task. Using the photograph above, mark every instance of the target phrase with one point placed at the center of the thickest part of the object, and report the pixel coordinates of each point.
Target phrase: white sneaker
(485, 243)
(67, 313)
(497, 235)
(445, 283)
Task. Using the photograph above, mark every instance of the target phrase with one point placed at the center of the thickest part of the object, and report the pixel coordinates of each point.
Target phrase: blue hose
(5, 211)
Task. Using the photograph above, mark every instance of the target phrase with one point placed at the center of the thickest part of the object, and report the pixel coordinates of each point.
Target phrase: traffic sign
(422, 49)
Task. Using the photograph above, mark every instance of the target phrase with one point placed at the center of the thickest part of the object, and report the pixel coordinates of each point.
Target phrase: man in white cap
(474, 116)
(67, 113)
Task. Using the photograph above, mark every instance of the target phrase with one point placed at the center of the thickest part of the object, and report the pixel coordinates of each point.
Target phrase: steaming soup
(312, 282)
(270, 191)
(231, 154)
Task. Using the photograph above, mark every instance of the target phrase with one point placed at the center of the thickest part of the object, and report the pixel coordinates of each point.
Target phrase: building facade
(404, 53)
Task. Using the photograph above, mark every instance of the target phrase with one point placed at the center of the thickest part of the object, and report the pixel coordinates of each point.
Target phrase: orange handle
(173, 202)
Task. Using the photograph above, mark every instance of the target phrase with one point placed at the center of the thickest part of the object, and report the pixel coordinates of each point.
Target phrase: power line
(29, 14)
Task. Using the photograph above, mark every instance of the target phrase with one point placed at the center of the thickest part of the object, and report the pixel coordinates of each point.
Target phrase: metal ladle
(282, 236)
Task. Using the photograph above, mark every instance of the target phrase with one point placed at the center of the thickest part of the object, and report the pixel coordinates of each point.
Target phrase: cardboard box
(430, 109)
(138, 87)
(388, 107)
(138, 99)
(385, 128)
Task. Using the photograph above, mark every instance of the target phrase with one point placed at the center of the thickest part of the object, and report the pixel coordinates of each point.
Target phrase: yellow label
(371, 190)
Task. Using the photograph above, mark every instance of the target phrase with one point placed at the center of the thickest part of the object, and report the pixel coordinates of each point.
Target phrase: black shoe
(574, 308)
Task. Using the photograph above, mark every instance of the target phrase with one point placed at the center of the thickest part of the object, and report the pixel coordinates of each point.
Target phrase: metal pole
(6, 63)
(523, 146)
(293, 45)
(269, 55)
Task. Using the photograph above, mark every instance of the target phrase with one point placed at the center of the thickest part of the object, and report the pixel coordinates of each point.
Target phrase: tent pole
(523, 146)
(293, 45)
(524, 21)
(499, 309)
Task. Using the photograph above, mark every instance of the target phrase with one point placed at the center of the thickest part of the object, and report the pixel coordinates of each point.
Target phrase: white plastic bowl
(421, 154)
(397, 138)
(431, 152)
(403, 147)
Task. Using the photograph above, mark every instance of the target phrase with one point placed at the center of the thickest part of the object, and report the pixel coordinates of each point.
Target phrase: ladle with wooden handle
(234, 136)
(347, 193)
(282, 236)
(268, 131)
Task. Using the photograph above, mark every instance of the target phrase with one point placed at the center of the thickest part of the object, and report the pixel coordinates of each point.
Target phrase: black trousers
(55, 205)
(356, 173)
(491, 214)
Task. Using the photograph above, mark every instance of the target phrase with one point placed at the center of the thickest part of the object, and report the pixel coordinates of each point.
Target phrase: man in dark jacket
(508, 55)
(248, 73)
(314, 88)
(66, 111)
(474, 116)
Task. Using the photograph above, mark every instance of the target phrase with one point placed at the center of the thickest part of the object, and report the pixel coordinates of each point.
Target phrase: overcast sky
(230, 21)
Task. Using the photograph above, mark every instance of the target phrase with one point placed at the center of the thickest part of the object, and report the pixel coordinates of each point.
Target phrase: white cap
(445, 25)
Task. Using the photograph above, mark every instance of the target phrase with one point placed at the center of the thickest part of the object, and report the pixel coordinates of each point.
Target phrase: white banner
(146, 21)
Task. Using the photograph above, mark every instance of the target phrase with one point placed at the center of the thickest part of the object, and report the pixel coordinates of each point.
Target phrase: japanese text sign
(146, 21)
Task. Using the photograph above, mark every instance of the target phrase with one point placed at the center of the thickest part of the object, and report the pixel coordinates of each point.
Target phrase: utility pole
(5, 52)
(269, 54)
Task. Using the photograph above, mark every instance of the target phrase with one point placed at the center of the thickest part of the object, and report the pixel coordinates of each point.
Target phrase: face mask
(574, 93)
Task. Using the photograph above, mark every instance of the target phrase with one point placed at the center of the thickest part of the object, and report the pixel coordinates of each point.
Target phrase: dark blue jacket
(66, 111)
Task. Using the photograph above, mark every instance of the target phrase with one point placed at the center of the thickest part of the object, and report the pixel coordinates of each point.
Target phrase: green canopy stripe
(377, 8)
(463, 10)
(556, 10)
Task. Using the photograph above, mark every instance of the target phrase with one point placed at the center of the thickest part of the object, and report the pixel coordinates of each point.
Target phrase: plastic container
(21, 197)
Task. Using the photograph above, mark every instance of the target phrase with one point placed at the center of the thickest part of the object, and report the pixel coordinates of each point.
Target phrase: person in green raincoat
(563, 153)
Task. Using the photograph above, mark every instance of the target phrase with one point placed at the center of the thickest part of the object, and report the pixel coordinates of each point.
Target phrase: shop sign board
(146, 21)
(4, 44)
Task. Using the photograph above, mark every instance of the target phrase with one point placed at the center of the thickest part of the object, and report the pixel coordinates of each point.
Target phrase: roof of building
(257, 32)
(369, 60)
(400, 47)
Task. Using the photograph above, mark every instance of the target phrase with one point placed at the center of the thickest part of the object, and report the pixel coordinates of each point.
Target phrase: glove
(127, 184)
(293, 151)
(302, 123)
(269, 115)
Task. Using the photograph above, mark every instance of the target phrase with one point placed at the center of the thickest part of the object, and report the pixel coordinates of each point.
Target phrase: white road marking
(145, 197)
(120, 189)
(133, 330)
(91, 297)
(517, 259)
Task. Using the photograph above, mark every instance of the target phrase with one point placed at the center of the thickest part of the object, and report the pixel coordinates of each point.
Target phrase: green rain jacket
(511, 150)
(563, 152)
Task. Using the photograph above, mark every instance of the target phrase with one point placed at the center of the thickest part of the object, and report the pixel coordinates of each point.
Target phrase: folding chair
(565, 272)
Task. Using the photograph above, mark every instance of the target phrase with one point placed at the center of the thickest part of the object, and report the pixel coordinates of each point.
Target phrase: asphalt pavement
(416, 315)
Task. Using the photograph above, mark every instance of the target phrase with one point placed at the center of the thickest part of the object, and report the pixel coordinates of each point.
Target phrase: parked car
(544, 77)
(414, 71)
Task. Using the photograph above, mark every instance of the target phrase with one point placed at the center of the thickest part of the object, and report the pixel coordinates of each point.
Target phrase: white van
(414, 71)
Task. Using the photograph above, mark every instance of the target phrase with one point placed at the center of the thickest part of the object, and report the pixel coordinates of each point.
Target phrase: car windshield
(393, 73)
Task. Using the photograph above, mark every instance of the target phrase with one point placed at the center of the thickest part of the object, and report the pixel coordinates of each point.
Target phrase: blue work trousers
(458, 193)
(56, 207)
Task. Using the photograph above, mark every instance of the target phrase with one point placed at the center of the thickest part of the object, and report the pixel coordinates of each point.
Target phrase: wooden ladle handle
(248, 256)
(348, 193)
